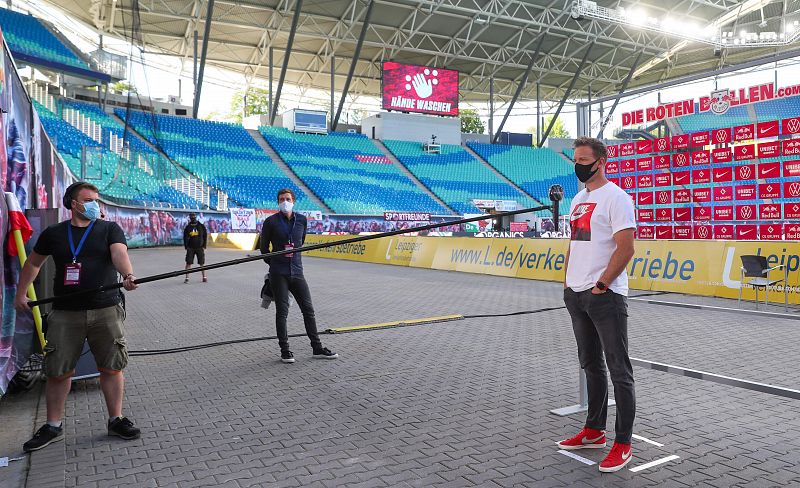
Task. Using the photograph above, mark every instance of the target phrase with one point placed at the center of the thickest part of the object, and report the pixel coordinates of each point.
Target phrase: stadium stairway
(499, 174)
(386, 152)
(280, 163)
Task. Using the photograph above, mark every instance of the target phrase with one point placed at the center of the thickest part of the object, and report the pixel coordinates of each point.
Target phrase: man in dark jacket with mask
(287, 230)
(195, 240)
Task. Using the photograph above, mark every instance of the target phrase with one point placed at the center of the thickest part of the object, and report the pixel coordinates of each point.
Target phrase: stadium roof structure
(482, 39)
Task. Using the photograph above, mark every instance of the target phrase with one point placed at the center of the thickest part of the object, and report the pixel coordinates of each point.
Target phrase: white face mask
(286, 206)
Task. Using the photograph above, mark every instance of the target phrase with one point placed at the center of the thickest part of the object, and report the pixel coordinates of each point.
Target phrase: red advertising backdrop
(420, 89)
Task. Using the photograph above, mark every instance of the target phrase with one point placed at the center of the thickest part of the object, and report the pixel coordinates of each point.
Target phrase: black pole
(271, 57)
(206, 34)
(286, 56)
(520, 86)
(356, 54)
(567, 93)
(313, 247)
(491, 109)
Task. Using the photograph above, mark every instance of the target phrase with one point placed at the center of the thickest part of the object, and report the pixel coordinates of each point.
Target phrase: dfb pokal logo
(794, 189)
(793, 125)
(702, 232)
(720, 102)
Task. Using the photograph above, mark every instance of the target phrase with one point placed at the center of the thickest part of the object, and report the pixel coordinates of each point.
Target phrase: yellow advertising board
(710, 268)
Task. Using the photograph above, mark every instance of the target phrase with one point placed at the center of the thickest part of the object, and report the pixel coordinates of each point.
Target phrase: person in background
(287, 230)
(88, 253)
(195, 241)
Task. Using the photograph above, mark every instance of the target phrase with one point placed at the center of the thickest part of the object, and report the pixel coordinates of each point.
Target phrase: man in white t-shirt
(602, 221)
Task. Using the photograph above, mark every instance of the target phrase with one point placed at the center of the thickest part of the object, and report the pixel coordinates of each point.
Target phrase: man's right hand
(21, 303)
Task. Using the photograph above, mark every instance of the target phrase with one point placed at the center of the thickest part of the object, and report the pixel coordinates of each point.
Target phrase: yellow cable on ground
(399, 323)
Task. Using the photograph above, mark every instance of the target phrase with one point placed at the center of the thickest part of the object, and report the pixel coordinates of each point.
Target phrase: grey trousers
(600, 323)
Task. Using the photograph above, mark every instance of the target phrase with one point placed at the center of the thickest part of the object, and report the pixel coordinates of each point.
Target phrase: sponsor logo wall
(739, 182)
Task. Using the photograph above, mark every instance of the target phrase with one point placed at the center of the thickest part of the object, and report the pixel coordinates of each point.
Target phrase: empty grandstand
(349, 173)
(533, 170)
(222, 154)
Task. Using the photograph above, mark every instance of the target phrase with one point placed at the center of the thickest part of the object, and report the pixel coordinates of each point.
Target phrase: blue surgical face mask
(91, 210)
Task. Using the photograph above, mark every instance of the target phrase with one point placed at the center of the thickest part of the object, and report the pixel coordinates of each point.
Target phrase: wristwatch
(601, 286)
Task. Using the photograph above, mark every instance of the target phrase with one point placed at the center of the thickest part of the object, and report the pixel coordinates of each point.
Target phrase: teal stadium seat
(349, 173)
(532, 169)
(455, 176)
(27, 36)
(222, 154)
(120, 180)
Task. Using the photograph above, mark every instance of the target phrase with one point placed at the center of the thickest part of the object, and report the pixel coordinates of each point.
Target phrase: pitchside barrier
(709, 268)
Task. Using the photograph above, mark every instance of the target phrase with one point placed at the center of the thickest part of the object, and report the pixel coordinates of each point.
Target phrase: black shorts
(200, 253)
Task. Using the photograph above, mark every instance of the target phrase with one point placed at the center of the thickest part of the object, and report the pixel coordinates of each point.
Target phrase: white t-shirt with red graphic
(594, 219)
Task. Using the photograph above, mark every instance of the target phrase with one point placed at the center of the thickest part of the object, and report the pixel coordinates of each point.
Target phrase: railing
(83, 123)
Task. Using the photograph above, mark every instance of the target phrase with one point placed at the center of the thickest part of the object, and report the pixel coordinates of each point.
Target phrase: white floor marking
(645, 439)
(576, 457)
(654, 463)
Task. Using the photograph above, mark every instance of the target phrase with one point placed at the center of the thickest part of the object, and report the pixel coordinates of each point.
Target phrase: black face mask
(584, 171)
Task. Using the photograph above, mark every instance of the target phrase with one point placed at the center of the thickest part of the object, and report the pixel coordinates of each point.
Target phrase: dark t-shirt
(95, 259)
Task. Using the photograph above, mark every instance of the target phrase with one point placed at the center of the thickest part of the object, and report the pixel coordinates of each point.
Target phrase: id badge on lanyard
(72, 274)
(289, 245)
(72, 271)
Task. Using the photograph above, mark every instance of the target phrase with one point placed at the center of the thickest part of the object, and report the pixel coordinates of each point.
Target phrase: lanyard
(76, 251)
(285, 223)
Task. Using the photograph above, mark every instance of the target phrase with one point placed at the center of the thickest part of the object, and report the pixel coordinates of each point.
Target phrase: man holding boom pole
(88, 252)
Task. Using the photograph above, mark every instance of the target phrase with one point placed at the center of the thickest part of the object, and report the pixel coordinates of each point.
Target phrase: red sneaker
(586, 439)
(618, 458)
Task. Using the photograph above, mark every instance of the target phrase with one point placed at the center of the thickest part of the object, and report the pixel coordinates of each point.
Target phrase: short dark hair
(72, 191)
(286, 190)
(598, 147)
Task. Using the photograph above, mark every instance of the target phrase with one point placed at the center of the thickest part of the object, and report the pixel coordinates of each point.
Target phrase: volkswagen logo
(662, 144)
(794, 189)
(746, 213)
(662, 197)
(680, 159)
(629, 182)
(702, 232)
(744, 172)
(721, 136)
(793, 125)
(612, 151)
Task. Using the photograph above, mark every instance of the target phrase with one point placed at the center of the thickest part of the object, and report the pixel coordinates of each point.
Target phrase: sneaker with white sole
(586, 439)
(618, 458)
(43, 437)
(325, 353)
(287, 356)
